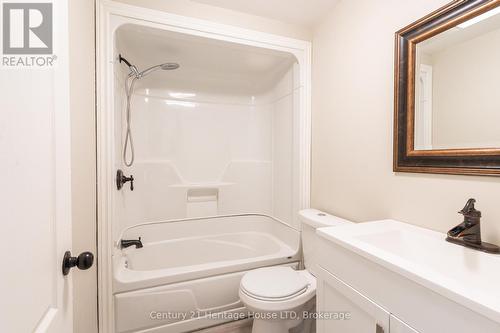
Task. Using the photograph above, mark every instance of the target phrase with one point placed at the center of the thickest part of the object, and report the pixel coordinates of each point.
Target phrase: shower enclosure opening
(216, 136)
(211, 132)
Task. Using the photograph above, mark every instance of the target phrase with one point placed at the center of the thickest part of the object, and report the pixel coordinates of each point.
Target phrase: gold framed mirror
(447, 91)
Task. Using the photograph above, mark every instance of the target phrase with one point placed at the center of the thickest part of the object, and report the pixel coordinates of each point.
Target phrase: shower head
(169, 66)
(134, 71)
(166, 67)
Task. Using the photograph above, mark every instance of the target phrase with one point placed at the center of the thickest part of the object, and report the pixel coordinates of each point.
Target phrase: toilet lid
(274, 283)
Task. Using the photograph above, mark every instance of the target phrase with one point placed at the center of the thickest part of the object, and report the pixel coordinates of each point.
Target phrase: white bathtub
(193, 266)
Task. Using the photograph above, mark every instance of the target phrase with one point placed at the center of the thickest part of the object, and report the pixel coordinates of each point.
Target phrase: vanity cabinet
(348, 311)
(382, 300)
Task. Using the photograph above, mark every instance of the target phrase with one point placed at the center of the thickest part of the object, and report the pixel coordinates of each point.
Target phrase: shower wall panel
(239, 147)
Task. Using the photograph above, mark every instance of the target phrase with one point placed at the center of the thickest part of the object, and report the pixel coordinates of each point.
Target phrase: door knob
(83, 261)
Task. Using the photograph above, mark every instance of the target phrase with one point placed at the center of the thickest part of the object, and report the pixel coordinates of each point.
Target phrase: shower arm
(134, 71)
(122, 59)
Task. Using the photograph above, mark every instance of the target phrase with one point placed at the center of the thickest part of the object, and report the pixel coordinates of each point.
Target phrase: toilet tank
(311, 220)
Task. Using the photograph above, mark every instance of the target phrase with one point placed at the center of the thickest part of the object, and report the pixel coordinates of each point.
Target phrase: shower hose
(129, 88)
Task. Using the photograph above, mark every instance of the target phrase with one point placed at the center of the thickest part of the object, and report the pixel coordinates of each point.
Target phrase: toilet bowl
(278, 297)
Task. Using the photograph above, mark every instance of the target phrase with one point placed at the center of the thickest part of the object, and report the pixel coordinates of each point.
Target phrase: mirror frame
(470, 161)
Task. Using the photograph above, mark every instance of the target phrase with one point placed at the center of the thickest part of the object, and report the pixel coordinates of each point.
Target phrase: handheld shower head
(134, 71)
(169, 66)
(166, 67)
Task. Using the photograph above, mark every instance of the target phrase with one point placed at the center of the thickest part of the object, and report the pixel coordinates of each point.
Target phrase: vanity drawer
(345, 309)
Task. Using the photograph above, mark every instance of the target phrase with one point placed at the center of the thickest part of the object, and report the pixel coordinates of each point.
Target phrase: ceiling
(305, 13)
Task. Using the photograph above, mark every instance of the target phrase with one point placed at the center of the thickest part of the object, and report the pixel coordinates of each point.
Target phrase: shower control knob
(122, 179)
(83, 261)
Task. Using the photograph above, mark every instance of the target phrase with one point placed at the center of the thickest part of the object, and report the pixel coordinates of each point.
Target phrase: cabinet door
(397, 326)
(343, 309)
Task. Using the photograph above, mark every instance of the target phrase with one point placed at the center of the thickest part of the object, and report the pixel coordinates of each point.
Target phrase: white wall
(83, 159)
(225, 16)
(352, 127)
(466, 103)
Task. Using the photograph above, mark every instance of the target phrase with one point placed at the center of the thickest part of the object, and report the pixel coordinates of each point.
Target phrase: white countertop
(468, 277)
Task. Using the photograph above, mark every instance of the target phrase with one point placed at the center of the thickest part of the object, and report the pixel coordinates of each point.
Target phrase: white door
(348, 311)
(35, 188)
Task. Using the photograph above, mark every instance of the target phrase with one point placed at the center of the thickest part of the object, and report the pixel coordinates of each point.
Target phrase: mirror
(457, 86)
(447, 91)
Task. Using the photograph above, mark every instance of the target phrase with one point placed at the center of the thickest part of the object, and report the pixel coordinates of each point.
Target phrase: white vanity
(388, 276)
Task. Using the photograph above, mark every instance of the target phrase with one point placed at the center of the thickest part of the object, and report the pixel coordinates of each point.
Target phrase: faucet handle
(131, 180)
(122, 179)
(469, 210)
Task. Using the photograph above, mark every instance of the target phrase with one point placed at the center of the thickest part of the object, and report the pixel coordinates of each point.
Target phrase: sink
(466, 276)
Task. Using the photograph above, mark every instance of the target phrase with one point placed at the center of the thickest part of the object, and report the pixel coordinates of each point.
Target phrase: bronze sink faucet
(468, 233)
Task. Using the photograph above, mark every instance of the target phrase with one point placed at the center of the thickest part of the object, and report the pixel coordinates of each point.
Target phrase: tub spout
(124, 243)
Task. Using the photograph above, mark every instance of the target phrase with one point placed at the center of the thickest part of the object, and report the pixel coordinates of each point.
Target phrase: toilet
(278, 295)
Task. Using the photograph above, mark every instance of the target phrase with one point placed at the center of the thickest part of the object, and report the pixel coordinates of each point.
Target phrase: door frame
(423, 126)
(111, 15)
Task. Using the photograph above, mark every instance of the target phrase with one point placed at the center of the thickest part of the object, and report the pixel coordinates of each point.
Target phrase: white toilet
(278, 295)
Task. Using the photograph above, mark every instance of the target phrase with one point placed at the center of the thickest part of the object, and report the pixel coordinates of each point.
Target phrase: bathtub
(188, 272)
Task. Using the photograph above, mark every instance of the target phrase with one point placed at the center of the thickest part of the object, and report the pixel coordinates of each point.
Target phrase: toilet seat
(274, 283)
(276, 288)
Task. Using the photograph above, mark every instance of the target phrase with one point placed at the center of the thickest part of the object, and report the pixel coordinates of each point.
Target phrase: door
(343, 309)
(35, 197)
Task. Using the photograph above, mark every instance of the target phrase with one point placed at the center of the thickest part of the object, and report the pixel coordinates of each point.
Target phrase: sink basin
(466, 276)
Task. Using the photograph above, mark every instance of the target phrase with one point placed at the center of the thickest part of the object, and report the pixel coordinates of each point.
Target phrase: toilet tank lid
(318, 219)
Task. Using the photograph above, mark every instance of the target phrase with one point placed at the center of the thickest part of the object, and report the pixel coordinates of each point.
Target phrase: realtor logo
(27, 28)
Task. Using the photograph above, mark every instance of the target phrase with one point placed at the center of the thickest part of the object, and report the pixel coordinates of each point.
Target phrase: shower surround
(221, 167)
